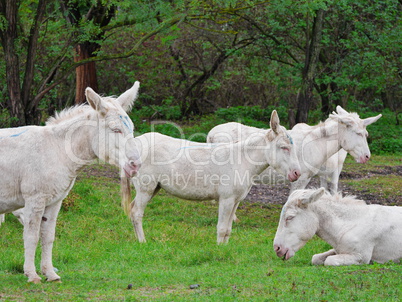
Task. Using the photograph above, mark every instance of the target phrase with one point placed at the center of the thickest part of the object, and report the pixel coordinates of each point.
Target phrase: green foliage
(384, 135)
(358, 65)
(251, 114)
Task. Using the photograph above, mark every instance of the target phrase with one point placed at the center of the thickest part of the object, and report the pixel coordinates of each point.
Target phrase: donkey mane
(337, 198)
(348, 199)
(333, 117)
(67, 114)
(351, 116)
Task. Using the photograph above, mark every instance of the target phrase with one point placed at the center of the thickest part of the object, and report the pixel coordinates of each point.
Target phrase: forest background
(232, 59)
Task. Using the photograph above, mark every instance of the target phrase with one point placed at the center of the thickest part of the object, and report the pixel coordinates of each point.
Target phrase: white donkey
(39, 165)
(319, 148)
(199, 171)
(359, 233)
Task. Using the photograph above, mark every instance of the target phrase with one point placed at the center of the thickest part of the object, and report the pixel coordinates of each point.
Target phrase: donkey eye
(285, 149)
(117, 131)
(288, 219)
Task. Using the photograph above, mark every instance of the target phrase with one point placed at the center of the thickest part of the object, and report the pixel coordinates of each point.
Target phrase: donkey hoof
(55, 279)
(35, 280)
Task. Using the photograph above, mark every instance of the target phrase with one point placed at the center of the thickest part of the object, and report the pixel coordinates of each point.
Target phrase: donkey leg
(2, 218)
(20, 215)
(324, 182)
(319, 259)
(234, 217)
(333, 185)
(48, 228)
(227, 208)
(137, 212)
(346, 259)
(34, 211)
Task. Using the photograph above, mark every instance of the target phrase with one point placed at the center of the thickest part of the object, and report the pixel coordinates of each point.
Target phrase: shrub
(384, 135)
(250, 114)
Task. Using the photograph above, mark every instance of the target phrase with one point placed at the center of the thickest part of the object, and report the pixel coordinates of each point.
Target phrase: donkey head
(282, 152)
(353, 133)
(115, 141)
(297, 224)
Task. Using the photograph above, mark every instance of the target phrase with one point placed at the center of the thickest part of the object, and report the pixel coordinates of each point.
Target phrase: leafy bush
(384, 135)
(167, 112)
(250, 114)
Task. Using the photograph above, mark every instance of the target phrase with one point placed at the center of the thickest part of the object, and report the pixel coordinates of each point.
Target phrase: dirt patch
(379, 170)
(278, 194)
(103, 170)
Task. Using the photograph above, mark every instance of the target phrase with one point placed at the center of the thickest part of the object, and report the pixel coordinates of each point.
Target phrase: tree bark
(85, 74)
(313, 49)
(22, 108)
(325, 101)
(100, 14)
(9, 35)
(32, 115)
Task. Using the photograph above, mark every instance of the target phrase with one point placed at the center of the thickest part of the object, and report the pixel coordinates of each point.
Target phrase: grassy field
(98, 257)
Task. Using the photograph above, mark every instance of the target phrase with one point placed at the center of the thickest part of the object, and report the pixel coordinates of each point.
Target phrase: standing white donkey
(359, 233)
(319, 148)
(39, 165)
(199, 171)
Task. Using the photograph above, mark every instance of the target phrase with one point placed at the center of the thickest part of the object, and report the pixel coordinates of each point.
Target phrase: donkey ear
(314, 196)
(340, 110)
(126, 100)
(95, 101)
(346, 120)
(370, 120)
(274, 123)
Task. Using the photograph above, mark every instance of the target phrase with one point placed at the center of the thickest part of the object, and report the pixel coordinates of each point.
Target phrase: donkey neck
(334, 218)
(325, 137)
(76, 137)
(253, 154)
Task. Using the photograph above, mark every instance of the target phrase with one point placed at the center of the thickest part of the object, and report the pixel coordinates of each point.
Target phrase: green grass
(373, 164)
(378, 176)
(98, 256)
(386, 185)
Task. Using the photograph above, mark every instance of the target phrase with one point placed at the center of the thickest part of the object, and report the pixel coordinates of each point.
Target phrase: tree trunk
(323, 91)
(13, 86)
(78, 13)
(303, 101)
(22, 108)
(9, 35)
(86, 73)
(305, 96)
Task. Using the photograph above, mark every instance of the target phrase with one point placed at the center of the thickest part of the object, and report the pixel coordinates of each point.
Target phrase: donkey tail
(125, 194)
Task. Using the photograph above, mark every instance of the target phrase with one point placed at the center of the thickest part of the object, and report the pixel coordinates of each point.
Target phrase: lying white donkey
(359, 233)
(315, 145)
(39, 165)
(199, 171)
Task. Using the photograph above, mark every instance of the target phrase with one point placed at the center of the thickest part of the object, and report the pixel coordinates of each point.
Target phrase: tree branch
(130, 53)
(271, 37)
(31, 55)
